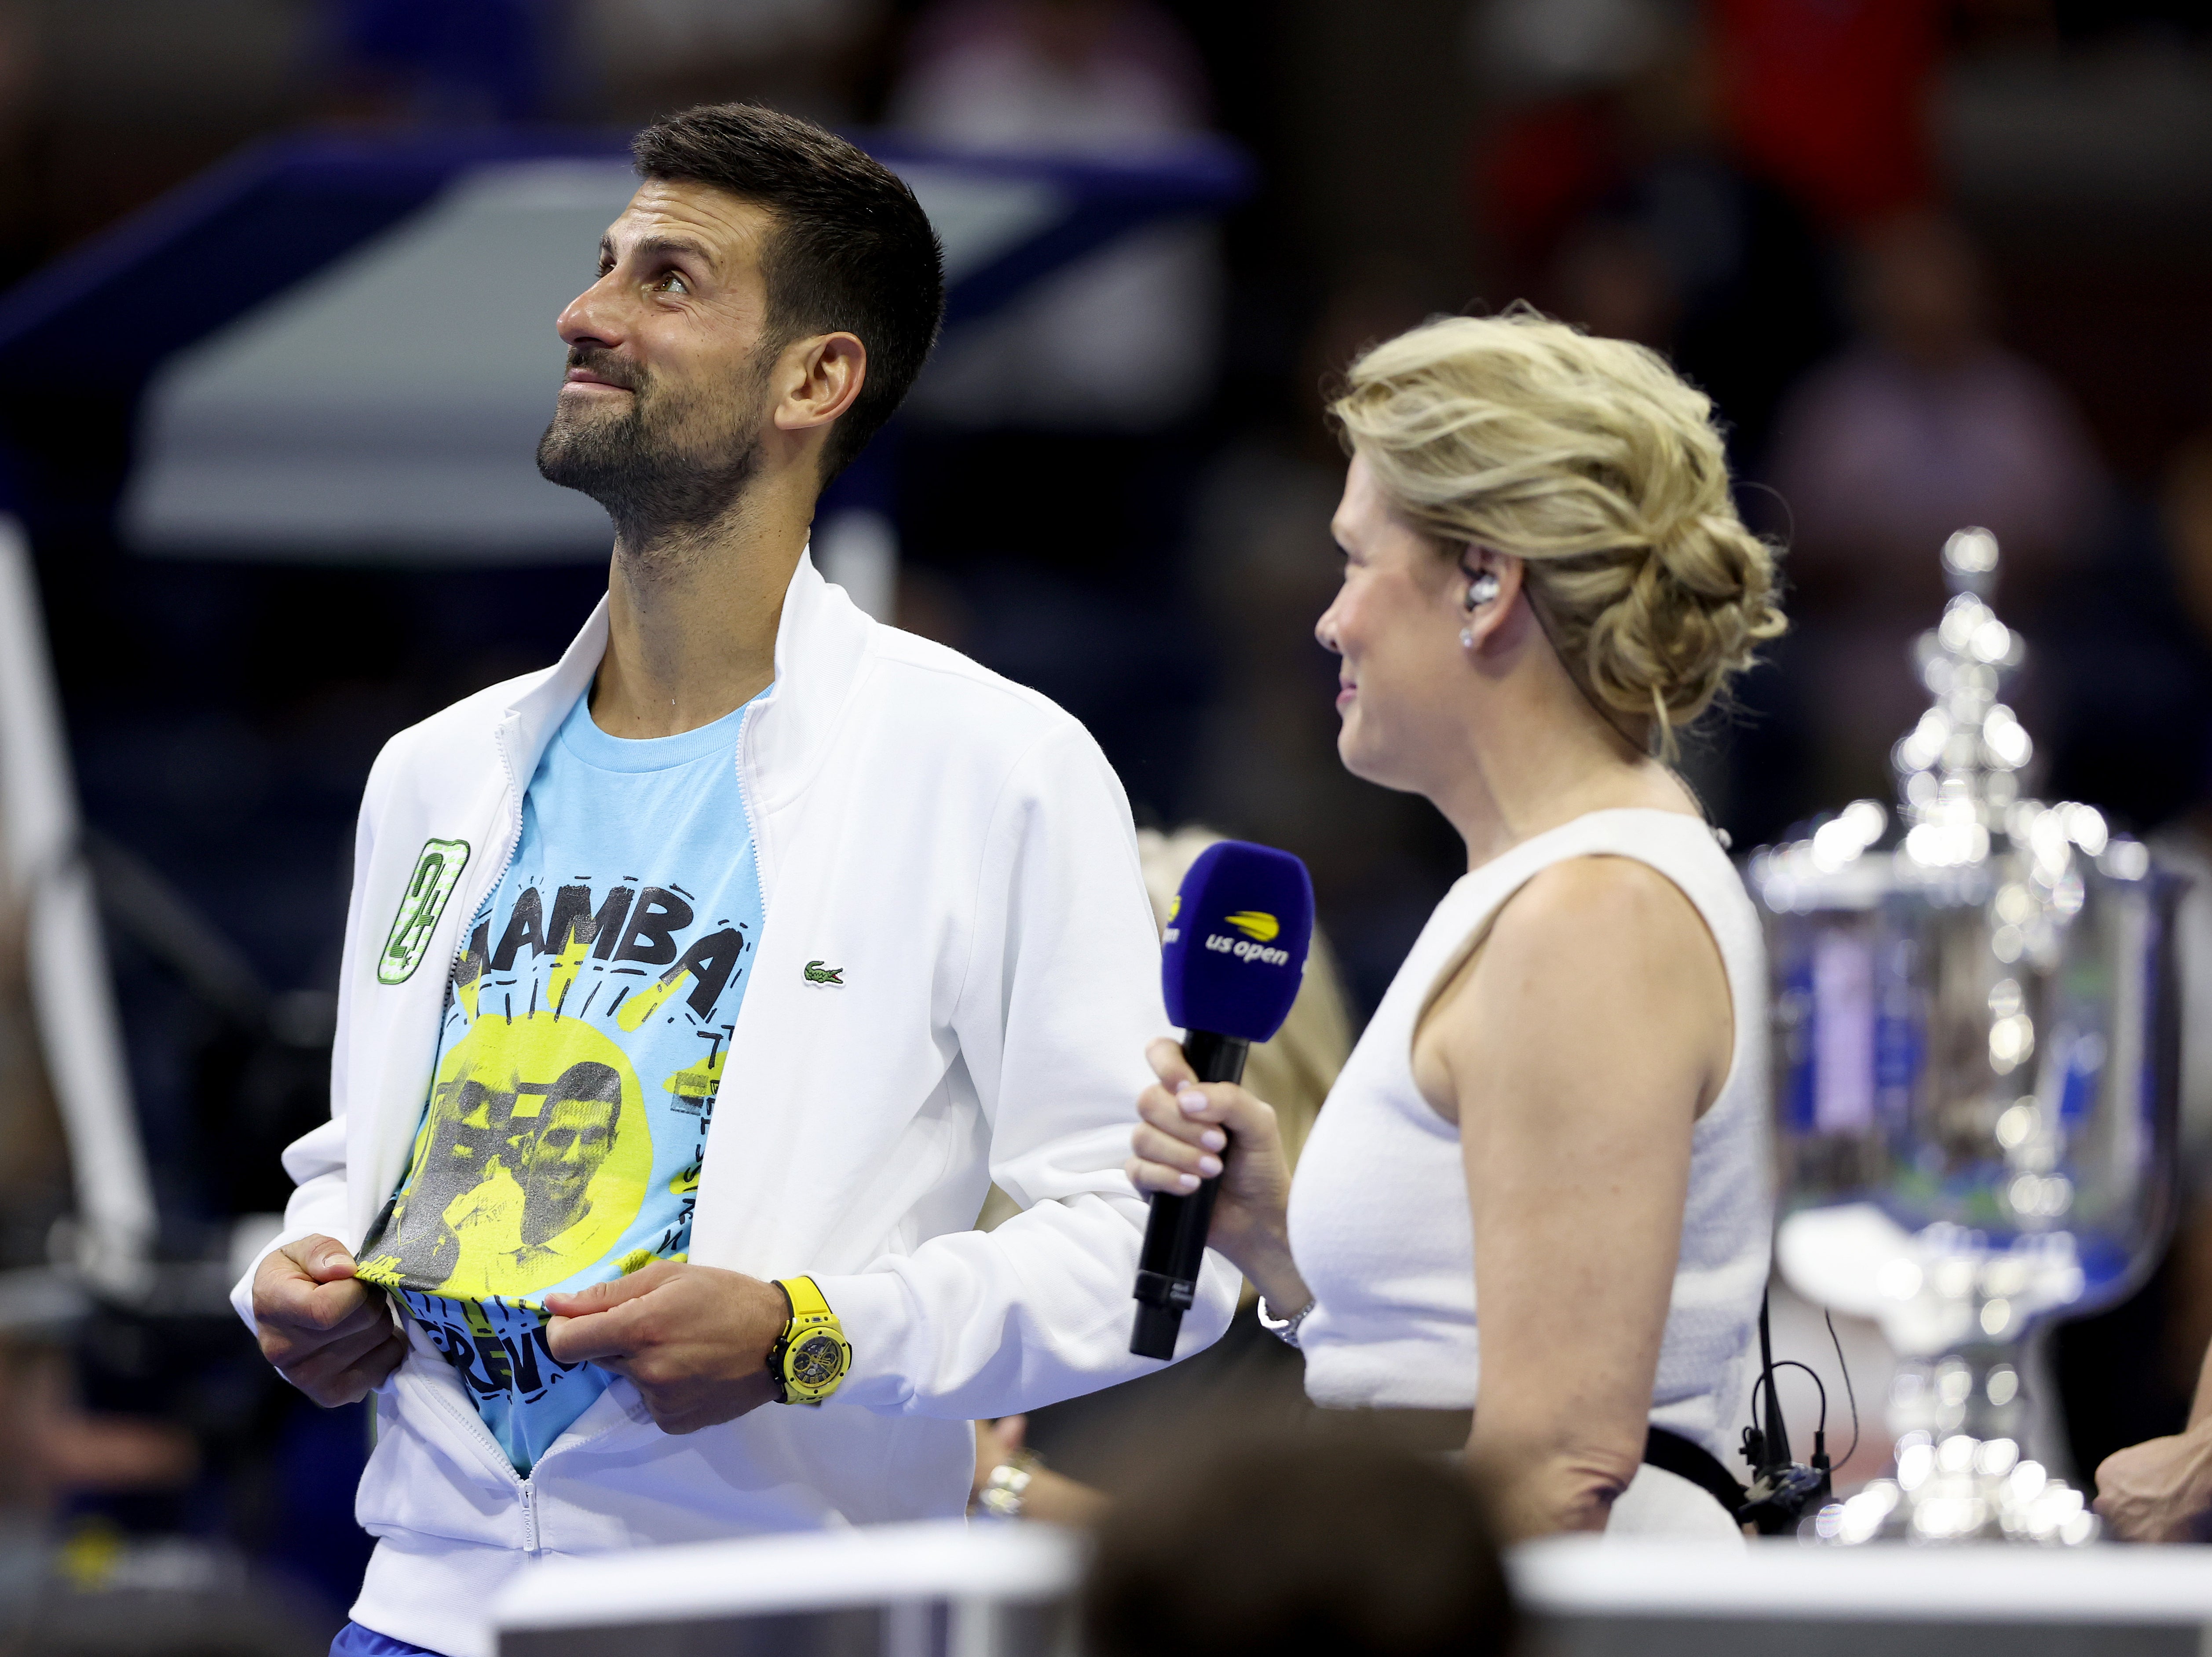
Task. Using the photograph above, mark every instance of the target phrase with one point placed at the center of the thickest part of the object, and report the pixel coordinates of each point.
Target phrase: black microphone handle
(1175, 1233)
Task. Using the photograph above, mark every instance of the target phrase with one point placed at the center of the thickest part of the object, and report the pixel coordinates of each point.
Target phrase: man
(742, 861)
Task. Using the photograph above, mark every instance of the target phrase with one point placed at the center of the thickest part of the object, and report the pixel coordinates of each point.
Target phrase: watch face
(813, 1361)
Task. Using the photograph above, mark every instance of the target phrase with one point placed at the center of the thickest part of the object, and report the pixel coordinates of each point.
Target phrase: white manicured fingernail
(1213, 1139)
(1186, 1181)
(1209, 1166)
(1191, 1100)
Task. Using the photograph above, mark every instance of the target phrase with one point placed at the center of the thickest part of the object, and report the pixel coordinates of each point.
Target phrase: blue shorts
(355, 1641)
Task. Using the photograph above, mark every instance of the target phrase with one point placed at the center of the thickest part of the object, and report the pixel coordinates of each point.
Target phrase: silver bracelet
(1285, 1330)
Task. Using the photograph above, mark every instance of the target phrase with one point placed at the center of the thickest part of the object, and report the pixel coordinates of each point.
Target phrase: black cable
(1792, 1363)
(1774, 1436)
(1848, 1393)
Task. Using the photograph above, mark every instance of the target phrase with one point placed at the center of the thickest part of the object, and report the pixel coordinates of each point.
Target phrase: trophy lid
(1959, 770)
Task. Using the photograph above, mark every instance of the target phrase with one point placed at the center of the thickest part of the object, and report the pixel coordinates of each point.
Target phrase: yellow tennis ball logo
(1256, 924)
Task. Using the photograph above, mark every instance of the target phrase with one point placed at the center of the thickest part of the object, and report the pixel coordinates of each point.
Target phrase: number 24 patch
(436, 873)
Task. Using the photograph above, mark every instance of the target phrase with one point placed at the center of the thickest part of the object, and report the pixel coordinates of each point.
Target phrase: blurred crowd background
(1937, 264)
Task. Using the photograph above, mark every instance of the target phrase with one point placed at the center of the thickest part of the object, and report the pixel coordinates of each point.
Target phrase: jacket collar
(820, 641)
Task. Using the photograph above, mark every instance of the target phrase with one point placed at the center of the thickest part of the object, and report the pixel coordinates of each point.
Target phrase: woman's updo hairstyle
(1595, 463)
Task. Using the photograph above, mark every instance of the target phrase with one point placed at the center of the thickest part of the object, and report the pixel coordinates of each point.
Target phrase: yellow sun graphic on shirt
(532, 1161)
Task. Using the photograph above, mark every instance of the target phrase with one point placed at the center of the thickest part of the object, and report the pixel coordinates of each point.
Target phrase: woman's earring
(1481, 589)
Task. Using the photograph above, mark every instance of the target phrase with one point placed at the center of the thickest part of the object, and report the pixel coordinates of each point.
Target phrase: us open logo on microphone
(1260, 930)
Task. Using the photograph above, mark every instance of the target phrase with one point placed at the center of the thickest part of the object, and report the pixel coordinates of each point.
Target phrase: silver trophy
(1976, 1061)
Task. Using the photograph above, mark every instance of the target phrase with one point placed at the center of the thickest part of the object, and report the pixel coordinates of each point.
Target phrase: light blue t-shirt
(586, 1030)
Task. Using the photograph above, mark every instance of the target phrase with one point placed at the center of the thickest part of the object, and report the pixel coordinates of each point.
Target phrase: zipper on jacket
(745, 805)
(526, 1489)
(513, 844)
(525, 1484)
(473, 1424)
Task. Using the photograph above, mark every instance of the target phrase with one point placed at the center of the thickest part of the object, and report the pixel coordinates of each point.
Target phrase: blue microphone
(1231, 961)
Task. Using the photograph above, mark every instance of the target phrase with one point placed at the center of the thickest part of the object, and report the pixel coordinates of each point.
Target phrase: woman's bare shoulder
(1590, 944)
(1602, 901)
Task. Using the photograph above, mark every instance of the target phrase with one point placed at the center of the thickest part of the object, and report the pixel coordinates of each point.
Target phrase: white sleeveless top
(1378, 1212)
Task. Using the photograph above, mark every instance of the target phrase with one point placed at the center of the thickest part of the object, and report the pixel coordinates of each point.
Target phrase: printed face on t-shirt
(576, 1133)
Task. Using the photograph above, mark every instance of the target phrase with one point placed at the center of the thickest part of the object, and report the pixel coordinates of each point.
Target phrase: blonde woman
(1558, 1114)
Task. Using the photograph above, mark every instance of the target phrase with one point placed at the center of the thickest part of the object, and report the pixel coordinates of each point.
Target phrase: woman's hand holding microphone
(1190, 1130)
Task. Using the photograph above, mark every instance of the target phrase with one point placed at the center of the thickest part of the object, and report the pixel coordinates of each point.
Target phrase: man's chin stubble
(648, 493)
(588, 456)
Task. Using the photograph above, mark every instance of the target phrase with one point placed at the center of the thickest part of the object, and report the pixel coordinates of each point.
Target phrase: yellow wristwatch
(811, 1357)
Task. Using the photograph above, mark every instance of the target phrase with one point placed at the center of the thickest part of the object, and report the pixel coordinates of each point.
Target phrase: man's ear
(819, 377)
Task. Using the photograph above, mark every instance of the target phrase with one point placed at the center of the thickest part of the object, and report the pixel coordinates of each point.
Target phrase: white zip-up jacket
(957, 849)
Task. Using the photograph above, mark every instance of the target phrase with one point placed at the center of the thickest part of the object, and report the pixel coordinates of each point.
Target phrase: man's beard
(672, 461)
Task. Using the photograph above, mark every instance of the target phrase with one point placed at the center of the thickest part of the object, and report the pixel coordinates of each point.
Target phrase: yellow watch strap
(807, 1299)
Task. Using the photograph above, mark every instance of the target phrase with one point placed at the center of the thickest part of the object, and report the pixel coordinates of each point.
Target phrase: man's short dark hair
(1307, 1544)
(852, 249)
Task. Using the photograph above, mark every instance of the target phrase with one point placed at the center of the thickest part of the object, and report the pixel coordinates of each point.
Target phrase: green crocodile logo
(816, 972)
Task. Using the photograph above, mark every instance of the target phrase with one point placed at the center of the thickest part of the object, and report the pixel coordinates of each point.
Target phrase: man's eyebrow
(651, 246)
